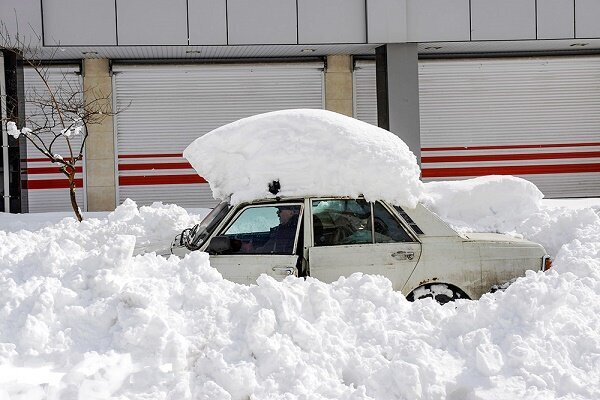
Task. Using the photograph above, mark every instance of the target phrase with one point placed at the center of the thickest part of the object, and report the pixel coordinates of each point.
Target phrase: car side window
(341, 222)
(265, 230)
(387, 228)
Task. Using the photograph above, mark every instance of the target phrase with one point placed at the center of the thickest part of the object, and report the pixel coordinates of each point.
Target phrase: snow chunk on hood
(491, 203)
(310, 152)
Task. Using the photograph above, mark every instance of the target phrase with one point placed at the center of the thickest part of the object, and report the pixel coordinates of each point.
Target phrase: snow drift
(313, 152)
(81, 318)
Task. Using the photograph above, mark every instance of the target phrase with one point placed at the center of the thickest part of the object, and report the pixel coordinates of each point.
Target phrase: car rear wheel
(440, 292)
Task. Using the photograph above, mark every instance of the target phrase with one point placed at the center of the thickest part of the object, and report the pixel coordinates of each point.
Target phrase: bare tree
(62, 113)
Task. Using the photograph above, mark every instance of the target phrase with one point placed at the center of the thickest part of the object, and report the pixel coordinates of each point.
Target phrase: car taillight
(546, 263)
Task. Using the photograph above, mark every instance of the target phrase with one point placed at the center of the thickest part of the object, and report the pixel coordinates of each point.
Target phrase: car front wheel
(440, 292)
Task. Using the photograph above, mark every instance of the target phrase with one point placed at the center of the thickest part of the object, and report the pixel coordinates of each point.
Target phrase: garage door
(47, 188)
(365, 92)
(166, 107)
(538, 118)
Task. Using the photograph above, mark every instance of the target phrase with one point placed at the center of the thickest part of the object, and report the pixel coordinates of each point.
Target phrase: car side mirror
(219, 245)
(190, 234)
(182, 238)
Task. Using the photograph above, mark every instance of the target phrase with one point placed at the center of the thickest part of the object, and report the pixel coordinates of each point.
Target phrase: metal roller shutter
(365, 92)
(537, 118)
(166, 107)
(47, 188)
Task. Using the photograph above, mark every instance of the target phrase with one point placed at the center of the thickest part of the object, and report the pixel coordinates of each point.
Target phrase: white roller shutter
(166, 107)
(365, 92)
(538, 118)
(47, 188)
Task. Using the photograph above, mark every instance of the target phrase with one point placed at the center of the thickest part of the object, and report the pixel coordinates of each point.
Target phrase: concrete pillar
(397, 68)
(99, 147)
(338, 85)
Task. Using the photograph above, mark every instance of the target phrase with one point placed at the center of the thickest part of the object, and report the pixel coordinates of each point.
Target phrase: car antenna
(274, 187)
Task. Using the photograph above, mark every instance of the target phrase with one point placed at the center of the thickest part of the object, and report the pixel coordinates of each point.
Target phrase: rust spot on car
(423, 282)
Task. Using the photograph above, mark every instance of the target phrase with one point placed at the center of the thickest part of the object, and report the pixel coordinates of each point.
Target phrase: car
(330, 237)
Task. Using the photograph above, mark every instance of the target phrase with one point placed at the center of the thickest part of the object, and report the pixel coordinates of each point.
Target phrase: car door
(353, 235)
(259, 244)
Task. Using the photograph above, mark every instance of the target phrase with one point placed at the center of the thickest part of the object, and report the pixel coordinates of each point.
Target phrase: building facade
(474, 87)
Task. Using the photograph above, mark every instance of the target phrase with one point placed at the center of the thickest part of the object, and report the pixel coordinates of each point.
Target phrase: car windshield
(207, 226)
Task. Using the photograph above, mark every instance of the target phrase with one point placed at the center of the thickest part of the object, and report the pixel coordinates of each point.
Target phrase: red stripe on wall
(157, 155)
(160, 180)
(48, 170)
(42, 159)
(50, 184)
(505, 157)
(509, 170)
(151, 166)
(35, 159)
(516, 146)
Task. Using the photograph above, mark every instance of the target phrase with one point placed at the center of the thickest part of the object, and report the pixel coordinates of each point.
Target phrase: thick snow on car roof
(310, 152)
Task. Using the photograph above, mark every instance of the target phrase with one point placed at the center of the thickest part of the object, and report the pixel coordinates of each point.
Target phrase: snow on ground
(81, 318)
(315, 152)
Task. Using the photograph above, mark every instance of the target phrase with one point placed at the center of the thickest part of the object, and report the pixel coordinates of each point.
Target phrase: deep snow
(81, 318)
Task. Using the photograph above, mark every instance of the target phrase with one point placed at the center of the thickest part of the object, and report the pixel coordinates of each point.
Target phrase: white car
(326, 238)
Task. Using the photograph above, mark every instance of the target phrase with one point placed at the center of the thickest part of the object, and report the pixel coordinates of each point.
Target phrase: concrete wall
(100, 148)
(338, 84)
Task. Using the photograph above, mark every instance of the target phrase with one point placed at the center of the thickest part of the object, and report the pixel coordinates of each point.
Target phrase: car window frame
(398, 218)
(213, 225)
(389, 209)
(237, 212)
(406, 222)
(313, 199)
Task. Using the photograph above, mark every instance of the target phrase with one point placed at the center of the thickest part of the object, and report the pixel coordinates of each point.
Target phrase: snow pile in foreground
(313, 152)
(81, 318)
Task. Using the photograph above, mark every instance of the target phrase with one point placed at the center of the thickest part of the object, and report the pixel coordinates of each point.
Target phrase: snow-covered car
(329, 237)
(312, 193)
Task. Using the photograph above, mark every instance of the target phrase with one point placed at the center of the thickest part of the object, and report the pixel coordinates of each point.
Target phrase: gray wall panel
(555, 19)
(261, 21)
(587, 17)
(386, 21)
(156, 22)
(24, 13)
(87, 22)
(503, 20)
(403, 94)
(331, 21)
(208, 23)
(438, 20)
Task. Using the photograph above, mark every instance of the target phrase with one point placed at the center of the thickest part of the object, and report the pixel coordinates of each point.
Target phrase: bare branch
(59, 111)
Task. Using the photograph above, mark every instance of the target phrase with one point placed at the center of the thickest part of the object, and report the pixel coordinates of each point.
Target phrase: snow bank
(81, 318)
(314, 152)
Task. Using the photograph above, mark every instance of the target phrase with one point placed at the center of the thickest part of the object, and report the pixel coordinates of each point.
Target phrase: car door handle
(403, 255)
(285, 271)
